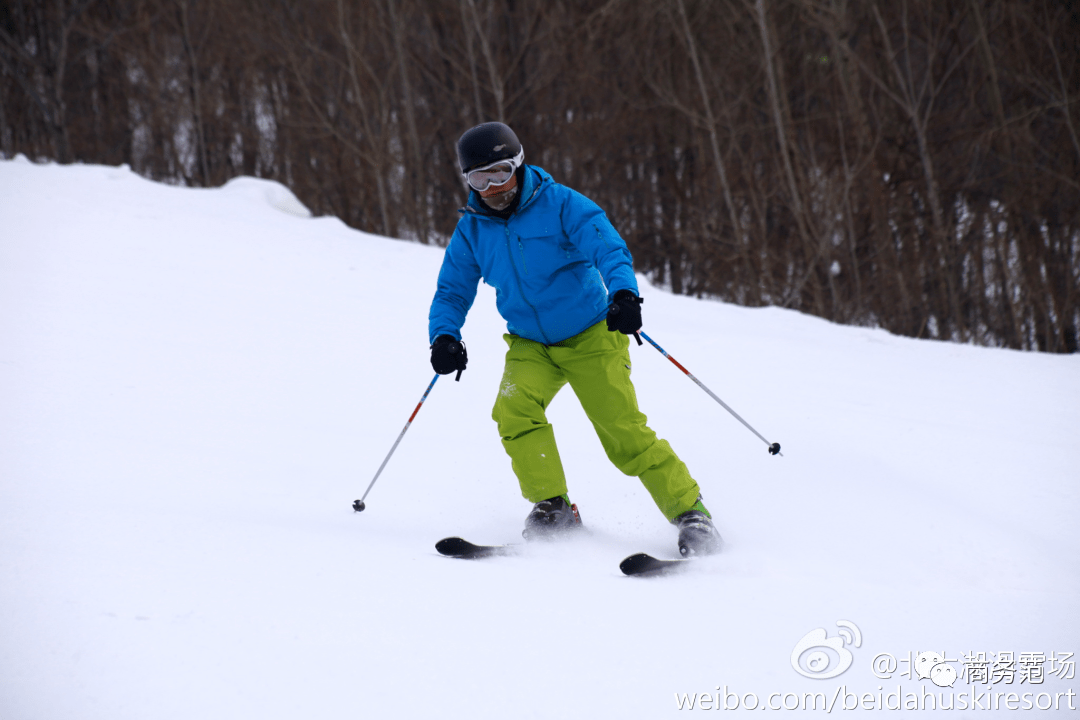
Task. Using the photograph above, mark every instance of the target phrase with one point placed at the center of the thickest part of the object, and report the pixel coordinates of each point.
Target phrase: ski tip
(453, 546)
(644, 564)
(636, 564)
(456, 547)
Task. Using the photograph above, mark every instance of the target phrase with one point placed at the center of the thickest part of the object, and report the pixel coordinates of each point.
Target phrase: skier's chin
(500, 201)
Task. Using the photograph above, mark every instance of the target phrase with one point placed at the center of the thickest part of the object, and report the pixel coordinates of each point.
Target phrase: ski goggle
(497, 173)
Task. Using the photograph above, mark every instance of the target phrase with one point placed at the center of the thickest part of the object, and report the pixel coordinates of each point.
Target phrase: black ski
(645, 564)
(456, 547)
(637, 564)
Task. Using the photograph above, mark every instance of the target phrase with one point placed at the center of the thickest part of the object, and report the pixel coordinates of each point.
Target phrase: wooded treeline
(910, 164)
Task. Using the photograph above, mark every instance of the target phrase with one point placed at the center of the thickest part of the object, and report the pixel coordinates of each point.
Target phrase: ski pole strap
(774, 448)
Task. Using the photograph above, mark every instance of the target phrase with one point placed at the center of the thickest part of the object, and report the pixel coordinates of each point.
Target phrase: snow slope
(196, 384)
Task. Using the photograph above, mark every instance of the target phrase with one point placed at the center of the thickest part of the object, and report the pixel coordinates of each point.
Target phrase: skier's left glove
(448, 355)
(624, 315)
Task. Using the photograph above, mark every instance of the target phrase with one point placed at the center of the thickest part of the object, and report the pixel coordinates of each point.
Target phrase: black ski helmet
(486, 143)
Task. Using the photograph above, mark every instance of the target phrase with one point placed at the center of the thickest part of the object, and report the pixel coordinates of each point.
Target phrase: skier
(560, 270)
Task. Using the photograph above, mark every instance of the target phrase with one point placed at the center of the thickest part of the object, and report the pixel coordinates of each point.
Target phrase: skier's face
(498, 189)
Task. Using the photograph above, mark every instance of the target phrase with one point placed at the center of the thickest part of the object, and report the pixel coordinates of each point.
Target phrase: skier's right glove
(448, 355)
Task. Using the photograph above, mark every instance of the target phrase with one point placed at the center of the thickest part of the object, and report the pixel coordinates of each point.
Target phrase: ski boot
(697, 534)
(550, 518)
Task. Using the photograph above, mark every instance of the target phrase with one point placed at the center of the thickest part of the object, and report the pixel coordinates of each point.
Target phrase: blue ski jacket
(554, 264)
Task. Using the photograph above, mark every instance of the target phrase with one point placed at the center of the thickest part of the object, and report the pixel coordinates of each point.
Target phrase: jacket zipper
(521, 251)
(521, 286)
(600, 235)
(521, 248)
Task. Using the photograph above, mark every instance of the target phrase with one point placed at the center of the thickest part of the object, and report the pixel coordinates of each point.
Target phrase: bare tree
(910, 165)
(34, 50)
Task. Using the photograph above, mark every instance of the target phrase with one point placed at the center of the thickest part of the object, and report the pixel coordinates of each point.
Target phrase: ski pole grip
(615, 310)
(454, 349)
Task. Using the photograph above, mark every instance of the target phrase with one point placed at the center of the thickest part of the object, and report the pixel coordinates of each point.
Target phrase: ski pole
(774, 448)
(358, 505)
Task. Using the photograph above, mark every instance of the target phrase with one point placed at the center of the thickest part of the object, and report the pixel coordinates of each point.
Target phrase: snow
(196, 384)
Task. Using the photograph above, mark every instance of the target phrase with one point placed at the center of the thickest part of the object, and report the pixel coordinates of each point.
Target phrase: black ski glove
(624, 314)
(448, 355)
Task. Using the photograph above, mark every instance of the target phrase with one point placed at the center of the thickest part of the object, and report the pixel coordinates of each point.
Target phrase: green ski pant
(596, 363)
